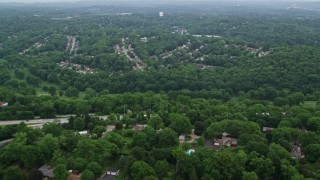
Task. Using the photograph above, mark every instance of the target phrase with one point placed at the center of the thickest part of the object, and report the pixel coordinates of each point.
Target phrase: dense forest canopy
(208, 91)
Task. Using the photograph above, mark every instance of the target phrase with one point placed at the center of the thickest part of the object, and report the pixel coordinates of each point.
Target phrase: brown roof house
(224, 141)
(139, 127)
(110, 128)
(267, 129)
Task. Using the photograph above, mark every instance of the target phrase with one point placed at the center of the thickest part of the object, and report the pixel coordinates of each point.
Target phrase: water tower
(161, 14)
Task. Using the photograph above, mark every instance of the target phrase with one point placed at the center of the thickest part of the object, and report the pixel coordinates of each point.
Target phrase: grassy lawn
(310, 104)
(122, 175)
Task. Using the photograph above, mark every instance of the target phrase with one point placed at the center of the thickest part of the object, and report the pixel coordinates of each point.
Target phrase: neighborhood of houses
(72, 45)
(36, 45)
(47, 172)
(225, 140)
(76, 67)
(129, 53)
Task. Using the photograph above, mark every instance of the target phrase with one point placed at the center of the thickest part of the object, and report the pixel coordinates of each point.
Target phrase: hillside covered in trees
(212, 93)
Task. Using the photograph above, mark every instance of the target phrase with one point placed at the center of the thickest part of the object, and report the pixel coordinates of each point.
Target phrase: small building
(182, 138)
(47, 171)
(139, 127)
(83, 132)
(296, 152)
(144, 39)
(3, 104)
(161, 14)
(110, 128)
(267, 129)
(113, 171)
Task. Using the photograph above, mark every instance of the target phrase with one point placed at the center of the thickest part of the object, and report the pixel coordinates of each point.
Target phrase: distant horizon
(119, 1)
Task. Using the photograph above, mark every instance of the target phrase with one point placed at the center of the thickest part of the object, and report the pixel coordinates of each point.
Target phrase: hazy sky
(44, 1)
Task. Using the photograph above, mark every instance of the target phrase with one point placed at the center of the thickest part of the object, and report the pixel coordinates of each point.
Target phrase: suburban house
(3, 104)
(144, 39)
(267, 129)
(47, 171)
(139, 127)
(225, 141)
(182, 138)
(296, 152)
(113, 171)
(111, 174)
(110, 128)
(83, 132)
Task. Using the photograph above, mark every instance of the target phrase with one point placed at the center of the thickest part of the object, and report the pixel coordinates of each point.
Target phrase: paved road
(5, 141)
(62, 119)
(34, 121)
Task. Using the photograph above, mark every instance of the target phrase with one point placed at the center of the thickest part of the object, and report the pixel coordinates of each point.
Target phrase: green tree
(80, 164)
(48, 144)
(79, 124)
(249, 176)
(47, 110)
(263, 167)
(167, 138)
(141, 169)
(19, 73)
(12, 173)
(52, 128)
(60, 172)
(180, 123)
(87, 175)
(98, 130)
(95, 168)
(313, 123)
(90, 93)
(193, 176)
(162, 168)
(52, 90)
(72, 92)
(31, 156)
(58, 158)
(35, 81)
(155, 122)
(150, 178)
(312, 152)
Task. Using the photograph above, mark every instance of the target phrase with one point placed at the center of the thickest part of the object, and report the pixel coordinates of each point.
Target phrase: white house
(113, 171)
(3, 104)
(83, 132)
